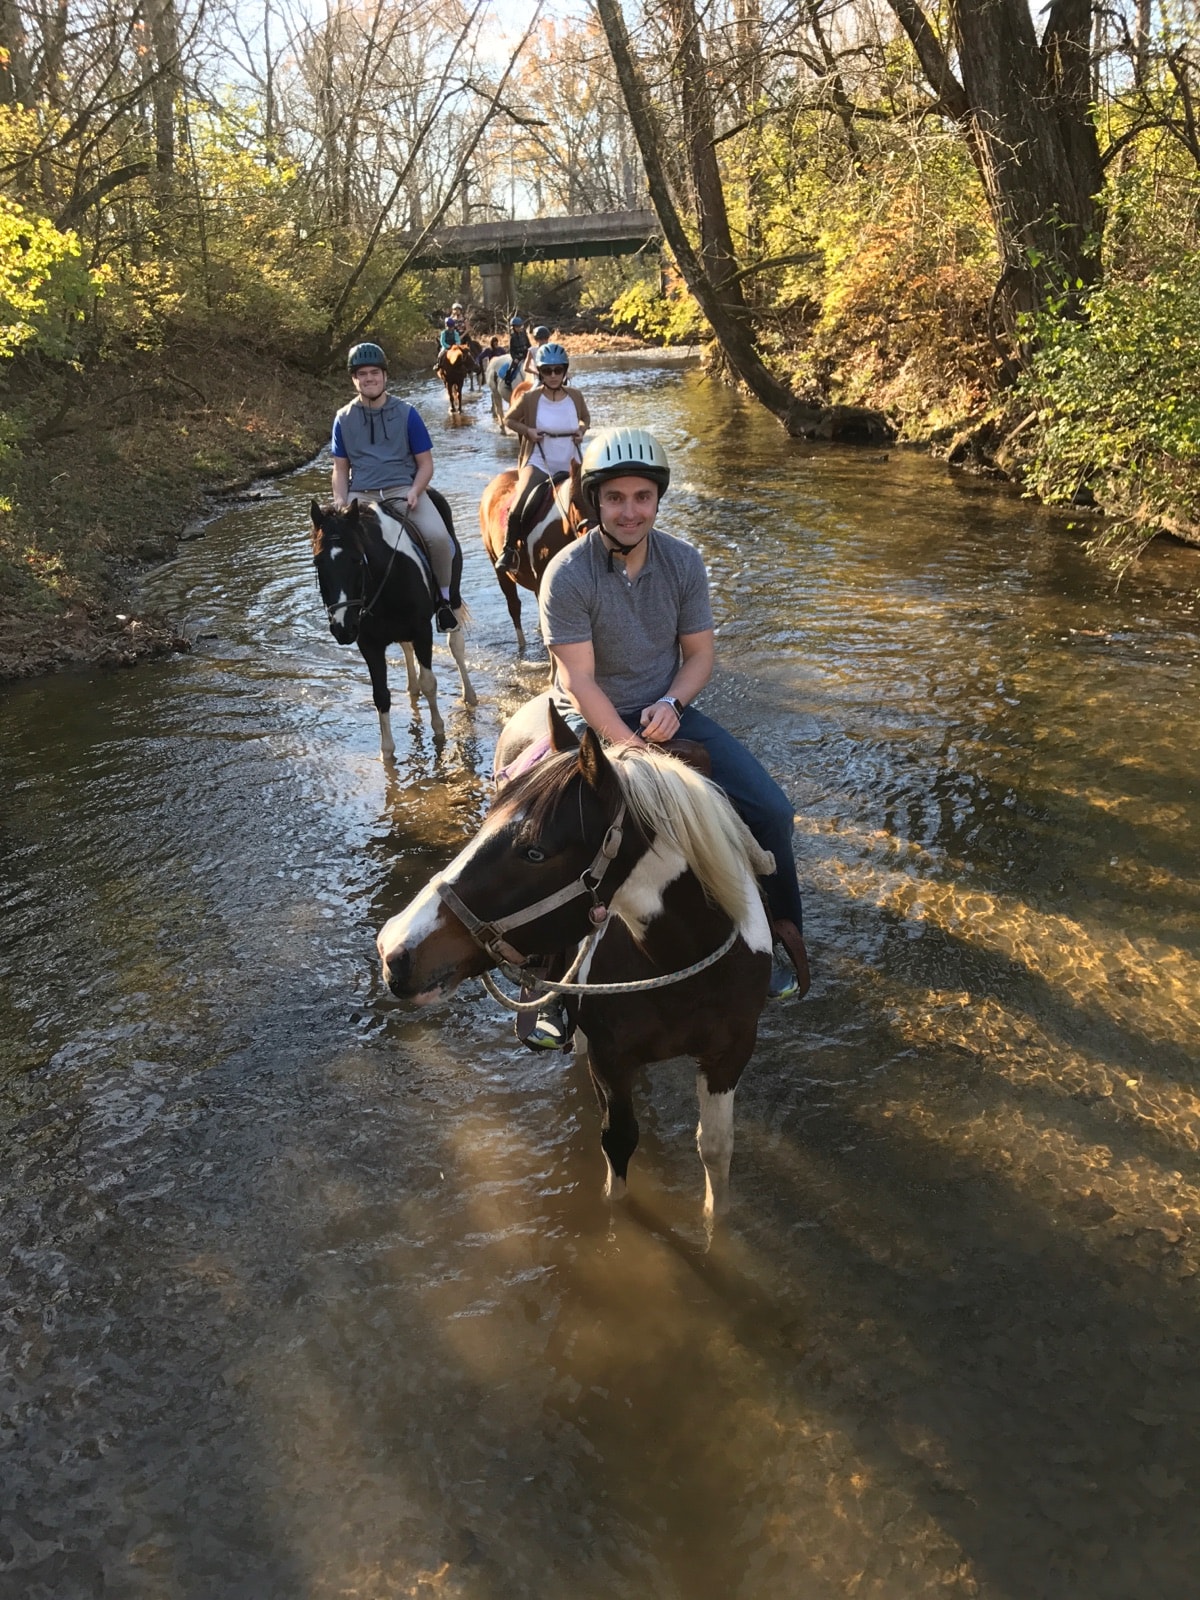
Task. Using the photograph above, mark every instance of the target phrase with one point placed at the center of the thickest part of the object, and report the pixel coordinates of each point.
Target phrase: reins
(365, 607)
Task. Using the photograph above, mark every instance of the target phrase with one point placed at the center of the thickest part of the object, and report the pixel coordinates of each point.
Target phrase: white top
(555, 417)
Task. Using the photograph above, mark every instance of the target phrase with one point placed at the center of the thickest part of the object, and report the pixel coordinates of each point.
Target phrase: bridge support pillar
(496, 278)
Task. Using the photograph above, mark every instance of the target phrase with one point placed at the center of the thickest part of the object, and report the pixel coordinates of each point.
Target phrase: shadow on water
(306, 1295)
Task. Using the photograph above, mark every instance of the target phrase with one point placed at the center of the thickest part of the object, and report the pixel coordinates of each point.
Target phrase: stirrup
(509, 559)
(549, 1031)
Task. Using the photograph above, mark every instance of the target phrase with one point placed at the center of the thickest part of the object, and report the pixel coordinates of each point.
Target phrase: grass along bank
(101, 471)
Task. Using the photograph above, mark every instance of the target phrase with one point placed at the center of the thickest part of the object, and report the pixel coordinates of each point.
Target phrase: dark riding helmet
(517, 322)
(541, 332)
(621, 453)
(550, 355)
(449, 322)
(366, 355)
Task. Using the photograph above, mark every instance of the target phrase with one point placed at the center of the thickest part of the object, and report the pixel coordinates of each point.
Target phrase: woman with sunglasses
(550, 422)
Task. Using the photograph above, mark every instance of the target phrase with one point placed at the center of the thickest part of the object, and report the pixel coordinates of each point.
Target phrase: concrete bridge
(494, 247)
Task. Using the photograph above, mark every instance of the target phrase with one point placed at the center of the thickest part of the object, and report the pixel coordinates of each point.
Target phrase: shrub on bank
(1117, 401)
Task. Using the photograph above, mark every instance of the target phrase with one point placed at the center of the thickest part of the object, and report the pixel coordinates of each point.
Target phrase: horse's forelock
(536, 792)
(339, 527)
(672, 800)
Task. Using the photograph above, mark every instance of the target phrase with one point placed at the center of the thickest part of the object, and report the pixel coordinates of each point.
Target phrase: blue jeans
(755, 796)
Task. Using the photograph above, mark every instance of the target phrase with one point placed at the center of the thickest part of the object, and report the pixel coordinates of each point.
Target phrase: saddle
(400, 513)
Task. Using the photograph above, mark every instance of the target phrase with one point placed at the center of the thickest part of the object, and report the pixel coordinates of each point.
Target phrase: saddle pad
(529, 757)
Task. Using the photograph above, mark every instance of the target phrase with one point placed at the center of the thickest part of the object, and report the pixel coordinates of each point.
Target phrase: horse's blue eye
(533, 853)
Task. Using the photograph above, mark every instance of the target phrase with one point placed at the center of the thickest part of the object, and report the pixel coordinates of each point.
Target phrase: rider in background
(518, 349)
(627, 618)
(550, 422)
(382, 452)
(540, 334)
(450, 335)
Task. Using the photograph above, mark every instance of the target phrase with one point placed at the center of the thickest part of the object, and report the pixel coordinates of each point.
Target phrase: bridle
(490, 936)
(365, 607)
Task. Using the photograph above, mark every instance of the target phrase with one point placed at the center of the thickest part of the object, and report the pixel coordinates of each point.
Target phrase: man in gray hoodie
(382, 451)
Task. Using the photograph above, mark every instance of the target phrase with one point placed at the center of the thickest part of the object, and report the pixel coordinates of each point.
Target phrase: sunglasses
(546, 371)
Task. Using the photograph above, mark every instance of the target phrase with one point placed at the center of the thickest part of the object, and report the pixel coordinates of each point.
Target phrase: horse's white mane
(675, 801)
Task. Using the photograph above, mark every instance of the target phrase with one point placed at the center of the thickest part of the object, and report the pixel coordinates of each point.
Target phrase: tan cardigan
(525, 412)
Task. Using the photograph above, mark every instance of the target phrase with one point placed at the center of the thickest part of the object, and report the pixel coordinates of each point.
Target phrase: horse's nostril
(396, 965)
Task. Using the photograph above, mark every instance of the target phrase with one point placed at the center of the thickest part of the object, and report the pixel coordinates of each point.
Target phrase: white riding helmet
(621, 453)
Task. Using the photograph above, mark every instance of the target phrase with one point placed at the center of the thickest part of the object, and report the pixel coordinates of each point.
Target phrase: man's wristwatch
(674, 702)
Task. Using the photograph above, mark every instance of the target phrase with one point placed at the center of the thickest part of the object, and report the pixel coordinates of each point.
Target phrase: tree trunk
(14, 67)
(164, 34)
(1024, 108)
(721, 301)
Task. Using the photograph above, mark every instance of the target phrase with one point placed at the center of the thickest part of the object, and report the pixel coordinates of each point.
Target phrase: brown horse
(648, 865)
(551, 518)
(452, 367)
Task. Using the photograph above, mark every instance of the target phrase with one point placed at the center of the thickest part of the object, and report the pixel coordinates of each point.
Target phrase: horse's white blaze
(714, 1139)
(337, 611)
(412, 926)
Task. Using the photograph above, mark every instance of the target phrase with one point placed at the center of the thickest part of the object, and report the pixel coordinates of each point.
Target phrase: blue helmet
(550, 355)
(541, 332)
(449, 322)
(517, 322)
(366, 355)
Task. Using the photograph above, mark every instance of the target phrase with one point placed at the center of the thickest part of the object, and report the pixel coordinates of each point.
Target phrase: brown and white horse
(552, 517)
(644, 865)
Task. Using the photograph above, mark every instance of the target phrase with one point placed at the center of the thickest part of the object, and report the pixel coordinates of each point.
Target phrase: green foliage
(1118, 399)
(44, 285)
(670, 318)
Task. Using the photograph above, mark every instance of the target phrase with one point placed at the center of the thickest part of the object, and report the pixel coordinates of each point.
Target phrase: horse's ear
(315, 513)
(352, 509)
(562, 735)
(593, 763)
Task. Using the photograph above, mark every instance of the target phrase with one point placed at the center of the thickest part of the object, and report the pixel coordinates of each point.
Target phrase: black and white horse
(378, 589)
(646, 863)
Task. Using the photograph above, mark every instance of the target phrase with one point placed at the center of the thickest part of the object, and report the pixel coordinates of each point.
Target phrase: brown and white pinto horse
(452, 367)
(552, 517)
(647, 863)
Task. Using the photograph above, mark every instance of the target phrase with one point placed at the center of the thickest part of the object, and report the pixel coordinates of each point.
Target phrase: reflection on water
(309, 1296)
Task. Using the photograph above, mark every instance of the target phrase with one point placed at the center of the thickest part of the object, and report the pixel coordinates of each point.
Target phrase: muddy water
(306, 1296)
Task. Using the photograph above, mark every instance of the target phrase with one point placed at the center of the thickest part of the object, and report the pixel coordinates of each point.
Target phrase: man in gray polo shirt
(627, 619)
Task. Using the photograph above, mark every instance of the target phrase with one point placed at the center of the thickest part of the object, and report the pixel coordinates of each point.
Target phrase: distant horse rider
(450, 336)
(382, 452)
(540, 334)
(550, 422)
(518, 349)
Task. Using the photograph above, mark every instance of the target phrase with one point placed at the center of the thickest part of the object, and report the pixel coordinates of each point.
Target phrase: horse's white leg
(387, 745)
(714, 1140)
(414, 677)
(458, 649)
(429, 690)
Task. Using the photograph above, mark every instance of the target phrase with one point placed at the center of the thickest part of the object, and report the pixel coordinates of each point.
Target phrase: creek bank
(113, 469)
